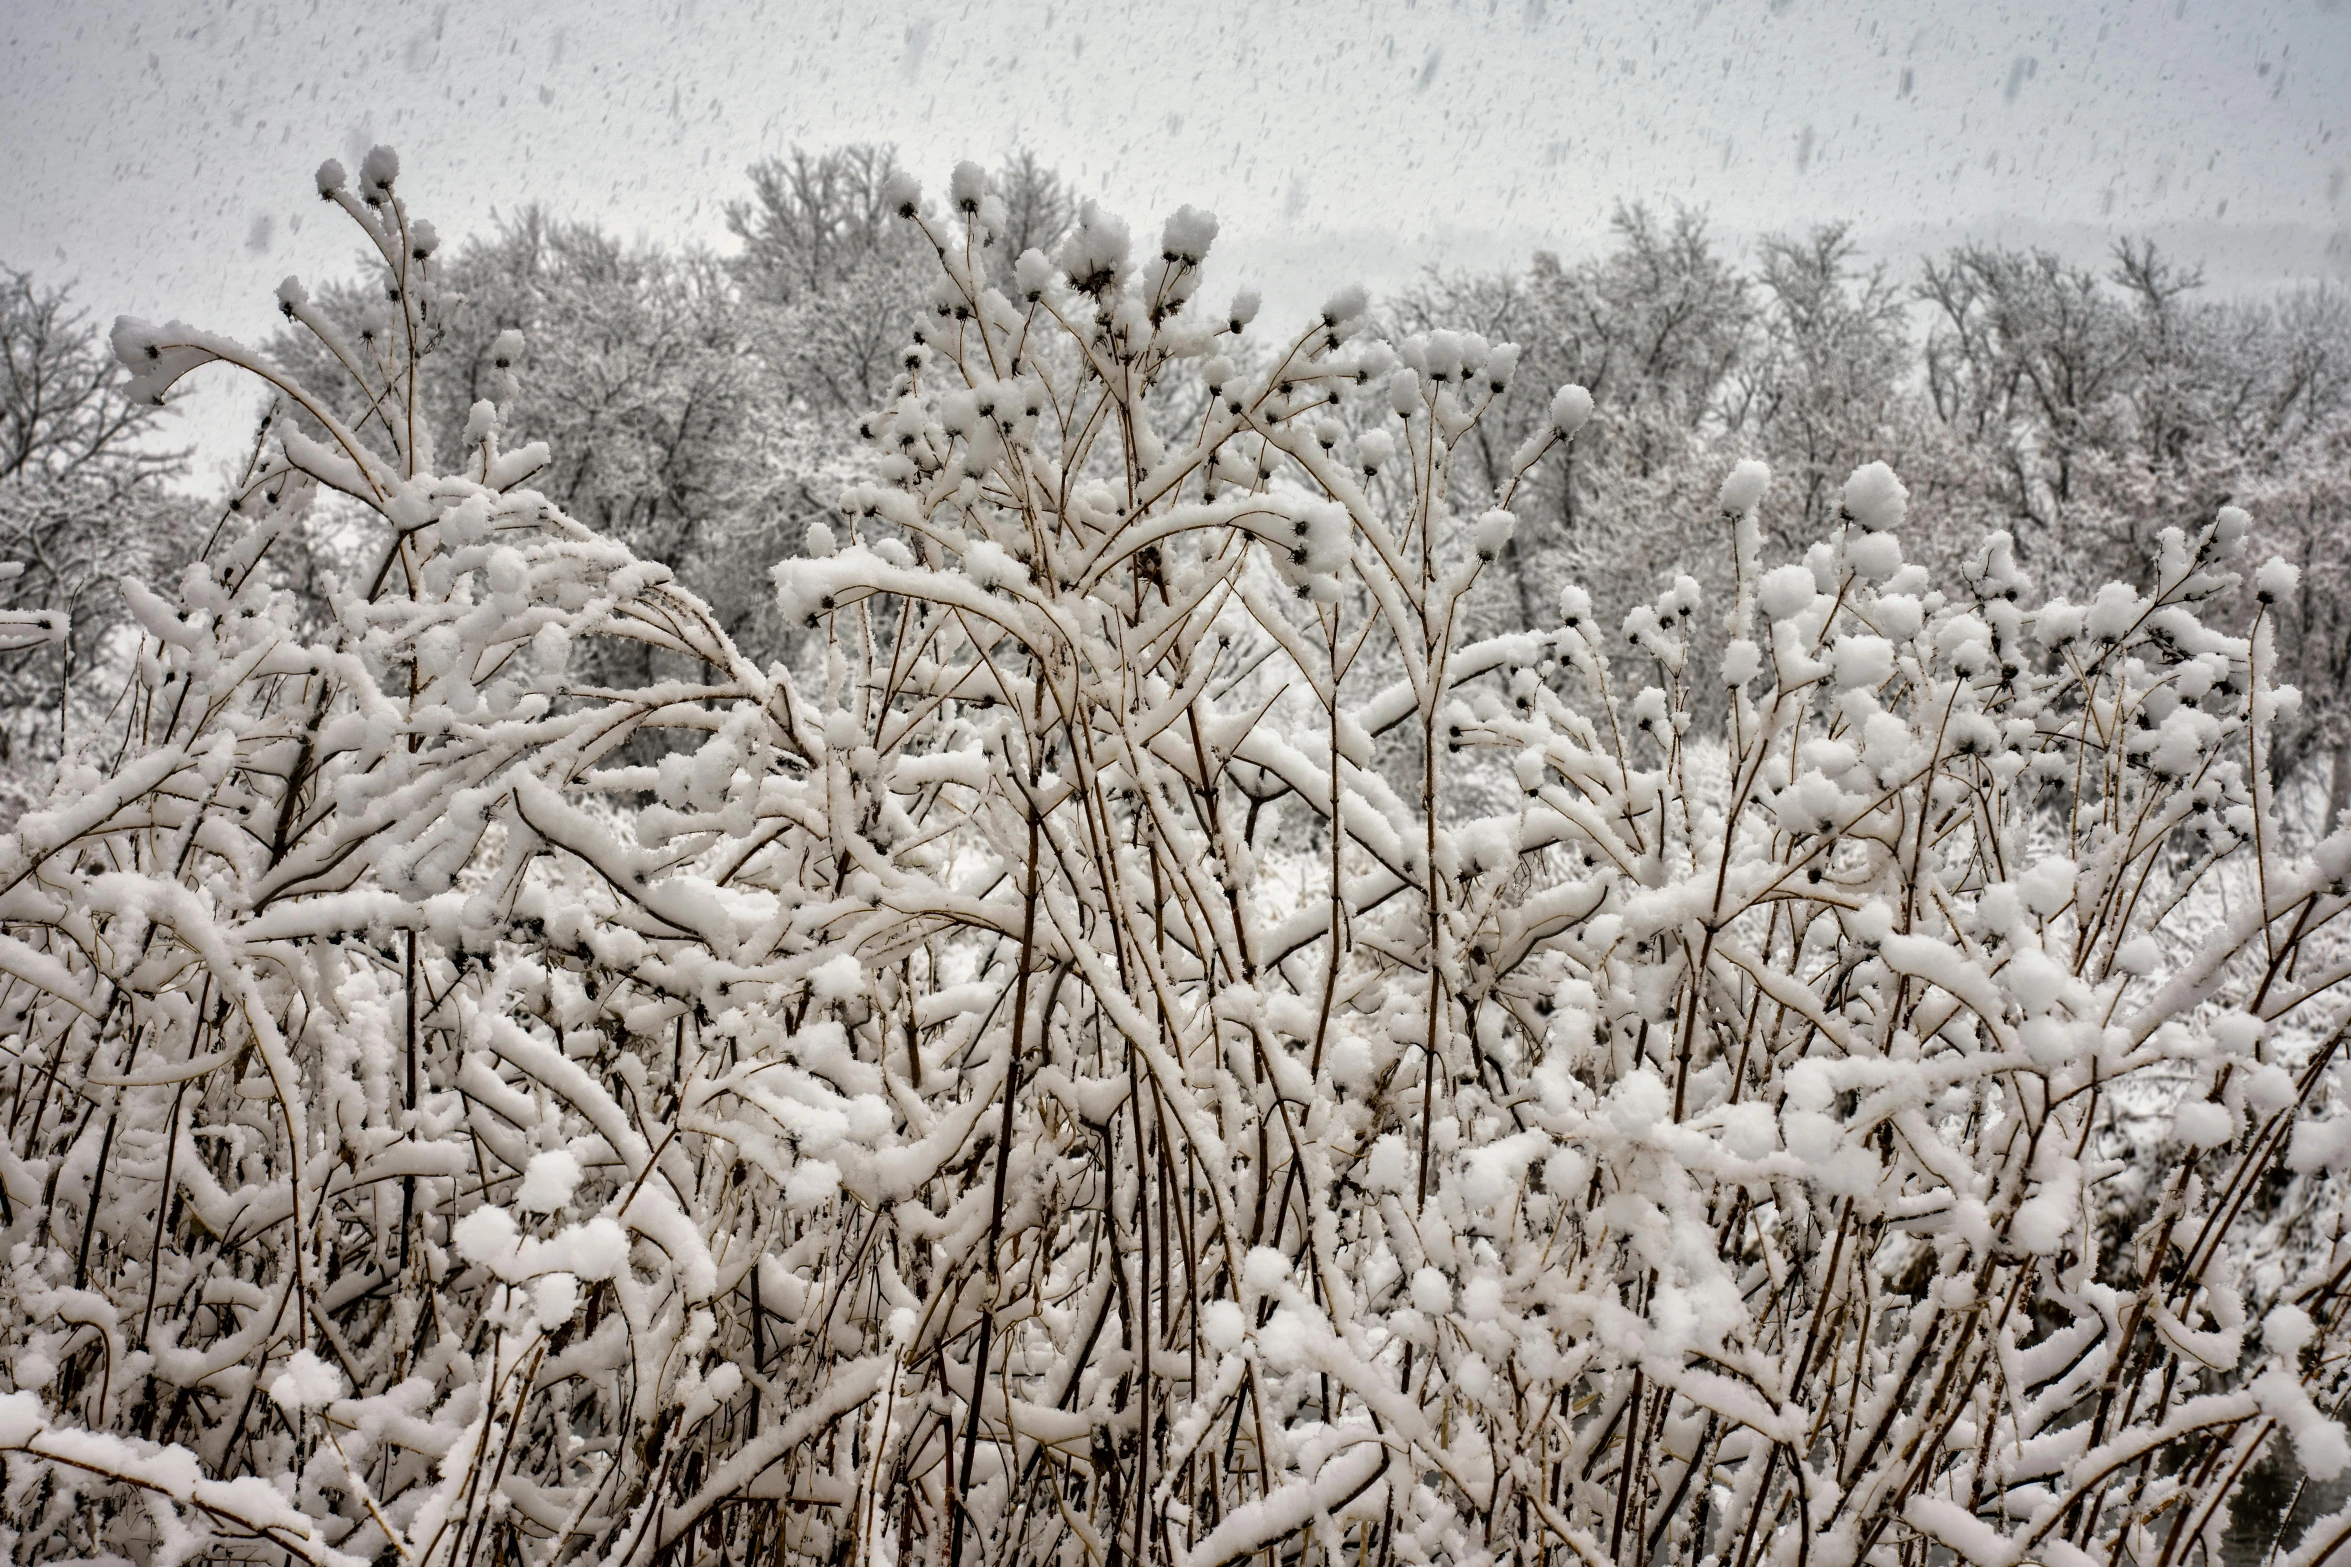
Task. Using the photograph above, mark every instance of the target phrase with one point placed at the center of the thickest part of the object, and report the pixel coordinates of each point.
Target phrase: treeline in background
(706, 408)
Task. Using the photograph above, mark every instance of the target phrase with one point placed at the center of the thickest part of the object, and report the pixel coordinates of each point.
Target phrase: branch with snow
(1156, 1044)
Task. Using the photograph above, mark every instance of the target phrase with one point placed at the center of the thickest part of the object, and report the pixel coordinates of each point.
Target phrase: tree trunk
(2339, 783)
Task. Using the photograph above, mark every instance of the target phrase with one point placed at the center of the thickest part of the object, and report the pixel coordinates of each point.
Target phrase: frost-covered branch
(1158, 1044)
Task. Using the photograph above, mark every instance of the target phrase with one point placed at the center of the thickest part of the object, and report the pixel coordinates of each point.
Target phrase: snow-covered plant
(1159, 1047)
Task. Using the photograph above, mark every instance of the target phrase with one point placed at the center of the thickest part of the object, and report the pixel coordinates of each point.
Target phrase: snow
(598, 1249)
(967, 186)
(1875, 498)
(837, 979)
(554, 1297)
(1346, 306)
(1786, 591)
(812, 1185)
(2285, 1330)
(2035, 979)
(1150, 973)
(2276, 580)
(1571, 407)
(1743, 487)
(1223, 1325)
(1862, 660)
(1265, 1270)
(2321, 1445)
(307, 1382)
(487, 1236)
(548, 1181)
(2048, 885)
(2198, 1124)
(377, 171)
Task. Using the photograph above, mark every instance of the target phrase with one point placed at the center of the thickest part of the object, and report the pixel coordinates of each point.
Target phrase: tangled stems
(1152, 1042)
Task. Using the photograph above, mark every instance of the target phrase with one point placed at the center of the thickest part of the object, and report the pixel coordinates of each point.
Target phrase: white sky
(161, 152)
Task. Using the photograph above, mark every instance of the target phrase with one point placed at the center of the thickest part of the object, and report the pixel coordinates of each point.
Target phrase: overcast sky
(161, 152)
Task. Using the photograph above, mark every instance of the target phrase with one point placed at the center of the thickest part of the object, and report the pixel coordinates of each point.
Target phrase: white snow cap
(2048, 885)
(2042, 1223)
(838, 978)
(554, 1297)
(1098, 247)
(1223, 1325)
(1748, 1130)
(1786, 591)
(485, 1235)
(1032, 274)
(548, 1181)
(812, 1184)
(1245, 306)
(1743, 486)
(2319, 1443)
(1571, 405)
(967, 186)
(307, 1383)
(1264, 1269)
(1493, 531)
(598, 1249)
(2286, 1330)
(2035, 979)
(1187, 235)
(1874, 498)
(1345, 305)
(1862, 661)
(2236, 1033)
(331, 177)
(380, 168)
(2199, 1123)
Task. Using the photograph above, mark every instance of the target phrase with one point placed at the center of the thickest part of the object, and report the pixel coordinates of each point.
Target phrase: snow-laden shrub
(929, 1117)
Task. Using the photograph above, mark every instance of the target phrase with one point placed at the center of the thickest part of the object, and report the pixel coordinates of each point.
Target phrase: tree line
(705, 409)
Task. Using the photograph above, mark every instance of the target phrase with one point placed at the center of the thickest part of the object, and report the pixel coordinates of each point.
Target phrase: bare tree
(62, 409)
(2028, 356)
(1821, 393)
(814, 217)
(81, 504)
(1039, 208)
